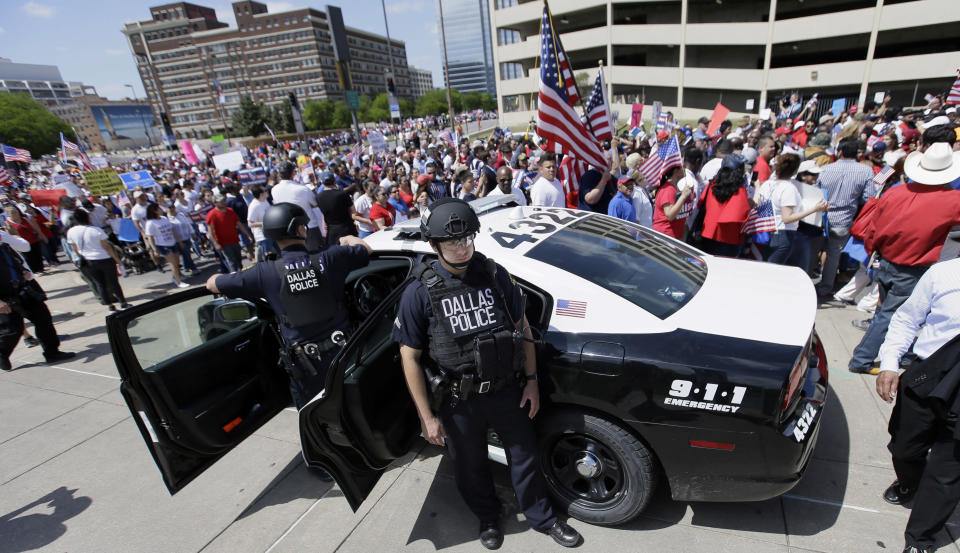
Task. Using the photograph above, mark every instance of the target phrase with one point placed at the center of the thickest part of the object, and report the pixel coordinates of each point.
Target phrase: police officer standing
(468, 314)
(305, 292)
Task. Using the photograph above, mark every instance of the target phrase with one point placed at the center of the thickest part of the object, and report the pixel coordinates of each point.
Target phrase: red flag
(636, 116)
(47, 197)
(719, 114)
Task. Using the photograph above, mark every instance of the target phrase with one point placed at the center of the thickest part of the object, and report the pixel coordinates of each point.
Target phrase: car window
(160, 335)
(627, 259)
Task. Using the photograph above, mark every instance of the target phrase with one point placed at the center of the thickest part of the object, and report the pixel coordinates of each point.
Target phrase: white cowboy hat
(938, 165)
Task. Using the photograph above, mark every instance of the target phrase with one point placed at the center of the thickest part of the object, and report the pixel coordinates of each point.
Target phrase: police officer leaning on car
(305, 292)
(467, 312)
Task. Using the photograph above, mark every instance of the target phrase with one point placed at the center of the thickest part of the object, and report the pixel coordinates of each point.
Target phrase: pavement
(75, 474)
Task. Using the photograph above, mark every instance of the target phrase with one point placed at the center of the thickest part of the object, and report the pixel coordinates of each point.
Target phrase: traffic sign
(353, 99)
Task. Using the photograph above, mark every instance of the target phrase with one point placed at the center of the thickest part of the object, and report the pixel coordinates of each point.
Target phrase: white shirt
(710, 169)
(546, 193)
(642, 206)
(291, 192)
(362, 206)
(785, 193)
(182, 229)
(98, 215)
(138, 213)
(255, 215)
(87, 239)
(514, 189)
(933, 310)
(161, 230)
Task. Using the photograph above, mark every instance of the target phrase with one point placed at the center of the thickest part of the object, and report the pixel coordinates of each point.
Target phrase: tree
(379, 109)
(25, 123)
(249, 118)
(319, 115)
(434, 102)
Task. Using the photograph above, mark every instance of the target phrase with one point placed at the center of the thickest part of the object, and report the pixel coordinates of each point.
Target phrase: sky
(84, 39)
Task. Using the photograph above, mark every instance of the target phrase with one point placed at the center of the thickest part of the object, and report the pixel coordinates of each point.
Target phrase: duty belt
(313, 350)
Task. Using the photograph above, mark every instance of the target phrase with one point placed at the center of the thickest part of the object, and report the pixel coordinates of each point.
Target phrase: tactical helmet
(448, 219)
(282, 220)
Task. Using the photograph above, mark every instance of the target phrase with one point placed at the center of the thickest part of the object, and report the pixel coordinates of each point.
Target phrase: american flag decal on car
(571, 308)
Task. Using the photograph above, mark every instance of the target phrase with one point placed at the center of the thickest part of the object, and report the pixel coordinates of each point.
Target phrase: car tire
(595, 470)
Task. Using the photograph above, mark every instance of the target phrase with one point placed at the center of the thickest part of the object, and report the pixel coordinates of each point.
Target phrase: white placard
(878, 97)
(750, 103)
(231, 161)
(764, 114)
(810, 195)
(377, 142)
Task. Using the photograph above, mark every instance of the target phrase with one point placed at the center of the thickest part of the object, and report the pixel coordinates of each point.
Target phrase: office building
(42, 82)
(469, 45)
(103, 124)
(748, 54)
(196, 68)
(421, 81)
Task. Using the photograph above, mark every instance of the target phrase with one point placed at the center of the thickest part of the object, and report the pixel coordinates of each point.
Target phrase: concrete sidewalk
(76, 476)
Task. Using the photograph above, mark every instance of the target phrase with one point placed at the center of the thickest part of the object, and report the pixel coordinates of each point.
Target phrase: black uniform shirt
(415, 314)
(263, 281)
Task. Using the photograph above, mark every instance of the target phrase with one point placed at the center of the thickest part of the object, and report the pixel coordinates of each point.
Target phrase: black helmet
(281, 221)
(448, 219)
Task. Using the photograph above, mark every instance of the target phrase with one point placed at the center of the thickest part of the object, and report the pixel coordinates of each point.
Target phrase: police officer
(468, 314)
(305, 291)
(21, 297)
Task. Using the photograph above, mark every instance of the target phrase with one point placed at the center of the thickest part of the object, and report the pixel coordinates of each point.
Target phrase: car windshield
(627, 259)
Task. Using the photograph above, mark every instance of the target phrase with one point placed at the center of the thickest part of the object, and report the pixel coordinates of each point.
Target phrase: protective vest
(462, 310)
(305, 292)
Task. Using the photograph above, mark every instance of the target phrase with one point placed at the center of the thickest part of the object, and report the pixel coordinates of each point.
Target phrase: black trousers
(466, 426)
(104, 273)
(309, 378)
(11, 326)
(926, 458)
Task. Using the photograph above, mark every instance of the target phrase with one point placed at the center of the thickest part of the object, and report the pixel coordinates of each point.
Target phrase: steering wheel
(369, 291)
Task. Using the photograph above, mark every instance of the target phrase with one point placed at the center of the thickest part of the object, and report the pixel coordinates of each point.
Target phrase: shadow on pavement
(67, 292)
(295, 481)
(35, 530)
(67, 316)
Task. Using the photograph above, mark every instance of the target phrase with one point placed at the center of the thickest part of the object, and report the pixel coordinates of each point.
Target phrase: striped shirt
(847, 185)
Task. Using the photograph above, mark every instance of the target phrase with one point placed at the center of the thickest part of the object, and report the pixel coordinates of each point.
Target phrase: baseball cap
(219, 197)
(809, 166)
(137, 194)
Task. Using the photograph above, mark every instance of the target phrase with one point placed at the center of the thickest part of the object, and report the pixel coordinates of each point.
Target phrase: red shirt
(723, 221)
(24, 230)
(224, 225)
(667, 195)
(378, 211)
(799, 138)
(762, 167)
(911, 222)
(407, 198)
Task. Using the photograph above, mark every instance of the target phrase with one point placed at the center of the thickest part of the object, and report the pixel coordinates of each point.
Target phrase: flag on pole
(570, 172)
(880, 178)
(598, 112)
(66, 145)
(760, 219)
(661, 159)
(954, 96)
(15, 154)
(269, 130)
(557, 122)
(4, 177)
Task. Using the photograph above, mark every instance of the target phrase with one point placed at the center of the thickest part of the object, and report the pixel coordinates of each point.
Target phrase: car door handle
(241, 345)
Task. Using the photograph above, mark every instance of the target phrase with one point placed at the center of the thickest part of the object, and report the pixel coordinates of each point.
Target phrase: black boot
(897, 494)
(563, 534)
(58, 355)
(490, 535)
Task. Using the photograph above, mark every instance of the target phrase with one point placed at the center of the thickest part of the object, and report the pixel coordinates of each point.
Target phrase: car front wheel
(596, 471)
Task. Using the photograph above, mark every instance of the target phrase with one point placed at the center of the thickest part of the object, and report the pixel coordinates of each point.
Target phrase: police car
(659, 366)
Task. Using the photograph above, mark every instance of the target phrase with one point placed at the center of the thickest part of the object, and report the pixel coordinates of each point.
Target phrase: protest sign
(764, 114)
(750, 103)
(838, 106)
(636, 115)
(187, 148)
(44, 198)
(137, 178)
(657, 108)
(219, 144)
(878, 97)
(720, 112)
(249, 177)
(230, 161)
(103, 181)
(99, 162)
(377, 142)
(200, 215)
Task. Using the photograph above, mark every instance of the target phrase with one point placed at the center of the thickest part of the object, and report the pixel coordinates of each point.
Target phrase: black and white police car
(659, 364)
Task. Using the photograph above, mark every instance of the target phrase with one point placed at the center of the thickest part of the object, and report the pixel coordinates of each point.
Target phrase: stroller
(133, 252)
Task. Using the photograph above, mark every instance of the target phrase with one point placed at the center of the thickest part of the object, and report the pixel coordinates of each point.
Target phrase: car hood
(753, 301)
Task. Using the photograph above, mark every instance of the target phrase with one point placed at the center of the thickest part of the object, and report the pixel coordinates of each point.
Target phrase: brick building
(184, 51)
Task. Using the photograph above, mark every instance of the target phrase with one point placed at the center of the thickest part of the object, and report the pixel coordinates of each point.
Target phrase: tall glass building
(469, 45)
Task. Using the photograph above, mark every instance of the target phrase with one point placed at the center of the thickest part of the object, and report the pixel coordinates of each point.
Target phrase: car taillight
(797, 376)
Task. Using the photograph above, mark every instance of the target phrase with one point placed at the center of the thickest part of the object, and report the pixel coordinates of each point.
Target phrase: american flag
(269, 130)
(4, 177)
(760, 219)
(660, 160)
(448, 138)
(954, 96)
(84, 160)
(571, 308)
(557, 121)
(880, 178)
(15, 154)
(597, 111)
(570, 172)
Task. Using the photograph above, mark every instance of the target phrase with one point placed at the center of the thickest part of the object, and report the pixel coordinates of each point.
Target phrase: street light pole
(446, 63)
(142, 120)
(393, 70)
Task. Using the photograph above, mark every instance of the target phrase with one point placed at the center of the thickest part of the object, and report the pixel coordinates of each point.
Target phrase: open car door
(199, 375)
(365, 418)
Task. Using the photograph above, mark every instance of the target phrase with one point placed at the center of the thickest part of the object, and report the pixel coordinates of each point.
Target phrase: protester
(787, 246)
(362, 206)
(669, 216)
(381, 212)
(99, 260)
(160, 237)
(726, 205)
(547, 190)
(20, 225)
